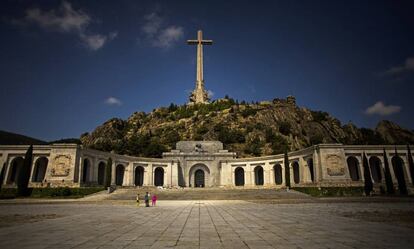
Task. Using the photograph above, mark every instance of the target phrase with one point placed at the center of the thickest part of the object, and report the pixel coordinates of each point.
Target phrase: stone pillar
(129, 175)
(266, 174)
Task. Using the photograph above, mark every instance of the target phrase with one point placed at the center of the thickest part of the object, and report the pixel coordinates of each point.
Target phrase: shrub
(285, 128)
(319, 116)
(248, 112)
(254, 147)
(279, 145)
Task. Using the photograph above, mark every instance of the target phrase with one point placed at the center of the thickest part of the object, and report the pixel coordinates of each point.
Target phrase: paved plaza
(207, 224)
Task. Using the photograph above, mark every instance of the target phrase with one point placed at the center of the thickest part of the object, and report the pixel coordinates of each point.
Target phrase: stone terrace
(207, 224)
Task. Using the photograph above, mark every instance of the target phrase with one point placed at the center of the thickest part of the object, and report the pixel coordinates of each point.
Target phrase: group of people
(147, 199)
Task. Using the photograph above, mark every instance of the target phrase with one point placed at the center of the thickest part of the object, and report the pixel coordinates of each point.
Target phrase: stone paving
(203, 224)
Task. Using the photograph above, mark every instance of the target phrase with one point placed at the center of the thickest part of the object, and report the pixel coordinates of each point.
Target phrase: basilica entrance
(199, 179)
(199, 176)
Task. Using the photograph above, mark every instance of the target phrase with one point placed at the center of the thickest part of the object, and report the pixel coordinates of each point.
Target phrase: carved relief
(334, 166)
(61, 165)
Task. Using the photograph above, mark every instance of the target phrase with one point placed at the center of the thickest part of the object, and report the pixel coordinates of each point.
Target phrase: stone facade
(206, 164)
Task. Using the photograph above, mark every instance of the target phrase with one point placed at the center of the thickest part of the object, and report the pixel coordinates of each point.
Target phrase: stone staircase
(207, 194)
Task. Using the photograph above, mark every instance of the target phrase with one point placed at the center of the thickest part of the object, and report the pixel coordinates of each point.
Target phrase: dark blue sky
(68, 66)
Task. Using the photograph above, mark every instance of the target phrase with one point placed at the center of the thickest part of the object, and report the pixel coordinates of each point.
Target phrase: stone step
(206, 194)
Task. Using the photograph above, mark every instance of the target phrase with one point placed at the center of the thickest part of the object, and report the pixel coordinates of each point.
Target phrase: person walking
(154, 200)
(137, 200)
(146, 198)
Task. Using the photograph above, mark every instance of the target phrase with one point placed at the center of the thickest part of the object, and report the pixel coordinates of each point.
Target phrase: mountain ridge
(250, 129)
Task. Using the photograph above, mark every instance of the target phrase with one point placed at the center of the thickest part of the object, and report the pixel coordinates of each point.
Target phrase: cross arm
(204, 42)
(207, 42)
(192, 42)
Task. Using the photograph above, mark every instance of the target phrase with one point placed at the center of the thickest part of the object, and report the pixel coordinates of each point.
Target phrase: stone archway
(199, 179)
(197, 168)
(278, 174)
(86, 170)
(239, 176)
(159, 176)
(119, 174)
(296, 177)
(353, 167)
(375, 166)
(310, 166)
(39, 171)
(101, 173)
(139, 176)
(258, 176)
(15, 166)
(398, 166)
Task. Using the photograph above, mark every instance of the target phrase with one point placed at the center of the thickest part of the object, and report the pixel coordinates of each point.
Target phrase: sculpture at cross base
(199, 95)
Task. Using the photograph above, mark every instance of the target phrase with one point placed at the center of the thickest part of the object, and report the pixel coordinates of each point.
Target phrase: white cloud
(113, 101)
(158, 34)
(152, 23)
(167, 37)
(65, 19)
(407, 66)
(95, 42)
(381, 109)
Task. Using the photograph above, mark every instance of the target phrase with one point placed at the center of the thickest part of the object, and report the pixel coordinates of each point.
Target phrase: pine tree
(368, 186)
(108, 173)
(388, 178)
(24, 173)
(287, 170)
(410, 163)
(3, 171)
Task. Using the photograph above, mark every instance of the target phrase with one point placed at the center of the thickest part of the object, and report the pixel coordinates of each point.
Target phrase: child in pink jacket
(154, 200)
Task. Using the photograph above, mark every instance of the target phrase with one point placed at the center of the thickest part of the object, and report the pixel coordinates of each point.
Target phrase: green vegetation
(287, 171)
(280, 145)
(285, 128)
(319, 116)
(227, 135)
(248, 112)
(331, 191)
(61, 192)
(254, 147)
(369, 137)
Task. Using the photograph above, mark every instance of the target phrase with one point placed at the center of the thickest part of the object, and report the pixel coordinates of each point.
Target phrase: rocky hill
(250, 129)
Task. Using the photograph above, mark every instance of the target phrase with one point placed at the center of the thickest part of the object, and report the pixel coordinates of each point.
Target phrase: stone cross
(199, 95)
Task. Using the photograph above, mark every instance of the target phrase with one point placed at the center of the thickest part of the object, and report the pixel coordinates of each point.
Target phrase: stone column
(266, 174)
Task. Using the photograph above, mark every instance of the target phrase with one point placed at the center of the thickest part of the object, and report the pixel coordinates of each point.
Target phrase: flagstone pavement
(205, 224)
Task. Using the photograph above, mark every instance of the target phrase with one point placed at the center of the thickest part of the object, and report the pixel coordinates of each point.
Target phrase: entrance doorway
(199, 179)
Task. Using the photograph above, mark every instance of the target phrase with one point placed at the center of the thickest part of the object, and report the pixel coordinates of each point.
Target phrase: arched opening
(2, 172)
(353, 167)
(192, 175)
(375, 166)
(310, 166)
(398, 166)
(39, 171)
(119, 174)
(86, 171)
(101, 173)
(159, 176)
(258, 175)
(295, 167)
(139, 176)
(239, 176)
(199, 179)
(14, 170)
(278, 174)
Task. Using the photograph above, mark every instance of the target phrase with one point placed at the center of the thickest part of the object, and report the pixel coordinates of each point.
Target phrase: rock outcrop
(250, 129)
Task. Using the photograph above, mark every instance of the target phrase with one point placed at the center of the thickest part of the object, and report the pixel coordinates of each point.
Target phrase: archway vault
(196, 168)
